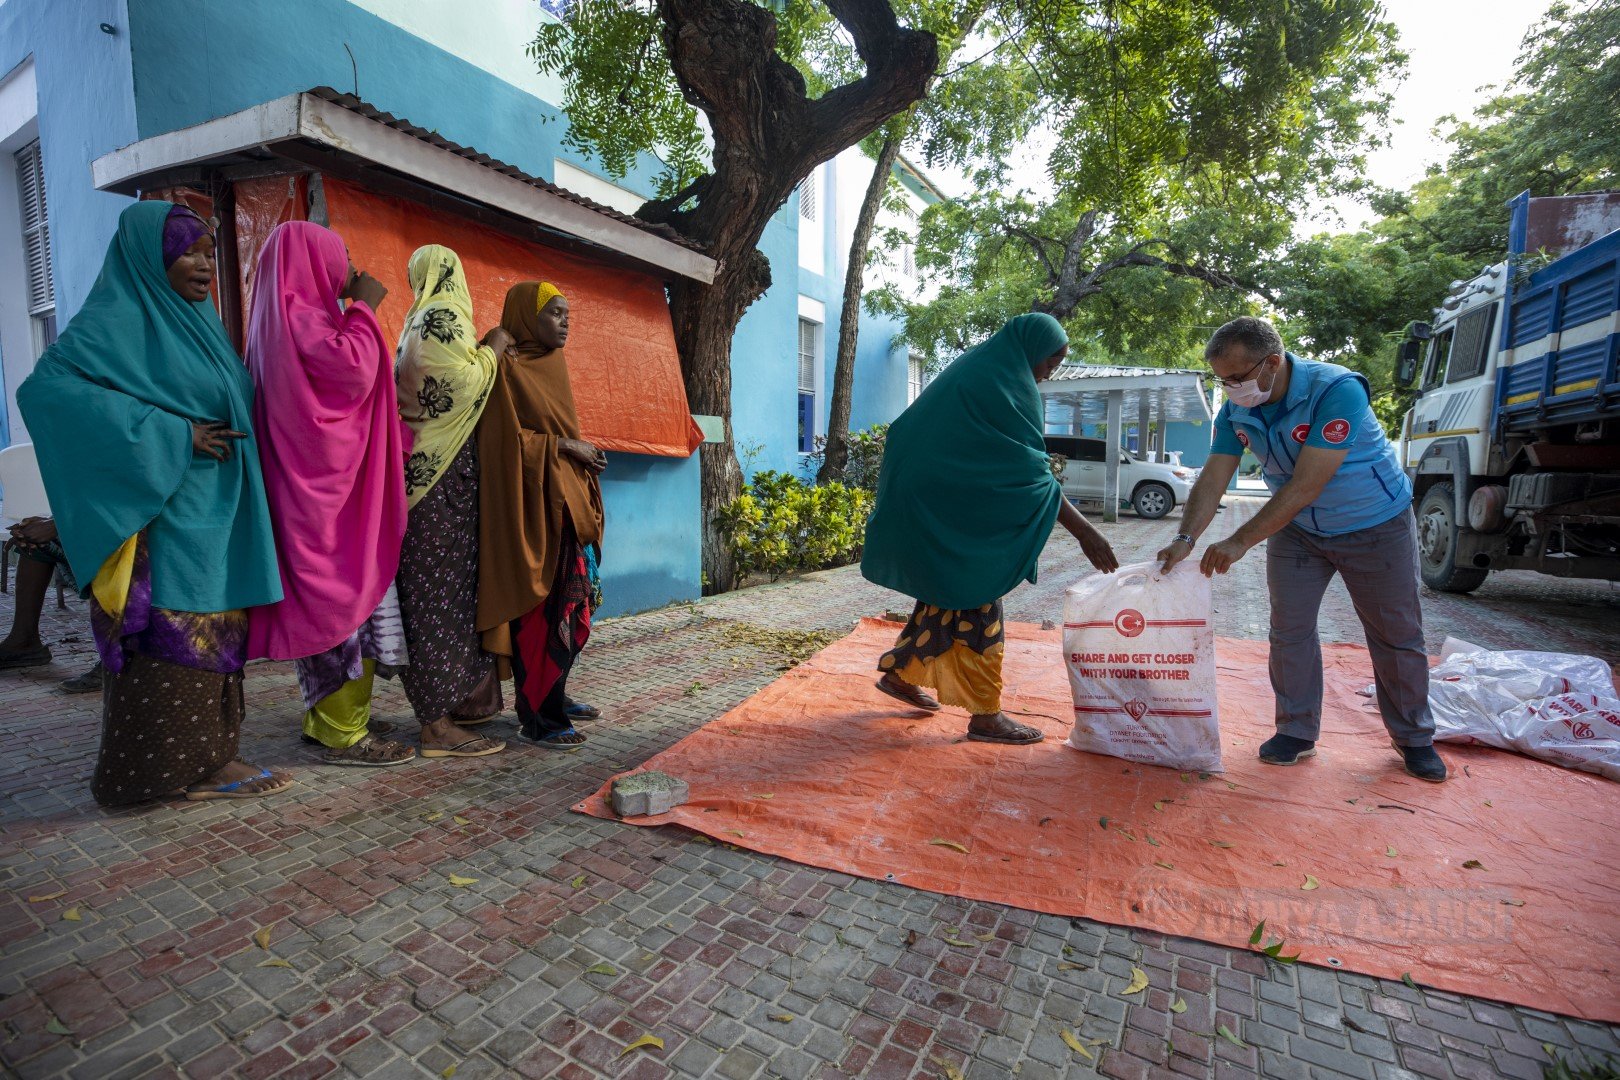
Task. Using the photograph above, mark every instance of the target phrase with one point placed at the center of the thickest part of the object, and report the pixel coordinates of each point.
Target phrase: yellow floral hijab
(444, 375)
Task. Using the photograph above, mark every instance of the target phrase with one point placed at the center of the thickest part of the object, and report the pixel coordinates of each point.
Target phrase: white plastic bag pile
(1141, 657)
(1560, 707)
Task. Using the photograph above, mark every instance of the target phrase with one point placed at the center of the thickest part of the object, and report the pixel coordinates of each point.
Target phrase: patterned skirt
(955, 653)
(380, 638)
(172, 704)
(438, 599)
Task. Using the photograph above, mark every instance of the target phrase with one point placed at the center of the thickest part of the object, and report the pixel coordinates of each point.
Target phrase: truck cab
(1513, 441)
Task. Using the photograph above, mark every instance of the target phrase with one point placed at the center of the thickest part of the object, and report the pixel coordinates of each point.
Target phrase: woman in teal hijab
(141, 413)
(966, 501)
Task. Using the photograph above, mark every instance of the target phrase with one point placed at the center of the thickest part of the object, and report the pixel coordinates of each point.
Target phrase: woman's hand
(365, 289)
(582, 452)
(214, 439)
(498, 340)
(1098, 550)
(34, 532)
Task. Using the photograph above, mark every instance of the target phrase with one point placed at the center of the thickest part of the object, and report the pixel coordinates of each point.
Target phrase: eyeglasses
(1243, 378)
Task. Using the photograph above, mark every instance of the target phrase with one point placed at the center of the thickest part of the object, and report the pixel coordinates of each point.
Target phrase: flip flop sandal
(28, 658)
(1008, 740)
(232, 790)
(370, 752)
(373, 727)
(462, 749)
(579, 710)
(898, 696)
(549, 742)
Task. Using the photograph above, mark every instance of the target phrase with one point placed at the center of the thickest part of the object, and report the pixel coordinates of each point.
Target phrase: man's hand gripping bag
(1141, 657)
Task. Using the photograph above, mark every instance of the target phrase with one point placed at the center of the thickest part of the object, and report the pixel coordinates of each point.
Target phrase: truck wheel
(1437, 543)
(1152, 500)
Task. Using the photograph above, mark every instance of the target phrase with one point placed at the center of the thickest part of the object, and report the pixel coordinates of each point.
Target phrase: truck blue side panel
(1577, 378)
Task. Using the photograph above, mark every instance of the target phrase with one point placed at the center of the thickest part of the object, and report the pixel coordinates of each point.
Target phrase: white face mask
(1247, 395)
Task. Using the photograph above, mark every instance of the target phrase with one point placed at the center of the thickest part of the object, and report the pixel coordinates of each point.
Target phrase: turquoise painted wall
(85, 109)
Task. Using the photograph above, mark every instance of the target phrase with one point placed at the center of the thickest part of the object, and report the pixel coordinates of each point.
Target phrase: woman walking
(444, 378)
(966, 501)
(142, 413)
(540, 516)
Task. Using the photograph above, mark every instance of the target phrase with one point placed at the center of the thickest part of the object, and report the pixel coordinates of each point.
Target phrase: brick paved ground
(579, 935)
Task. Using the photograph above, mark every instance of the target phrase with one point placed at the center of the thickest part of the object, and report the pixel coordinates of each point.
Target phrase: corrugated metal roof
(1069, 372)
(433, 138)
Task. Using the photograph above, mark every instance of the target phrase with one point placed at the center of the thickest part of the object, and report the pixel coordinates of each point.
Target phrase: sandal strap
(264, 774)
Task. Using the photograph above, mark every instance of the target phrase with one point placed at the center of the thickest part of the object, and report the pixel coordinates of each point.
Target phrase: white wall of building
(491, 34)
(19, 126)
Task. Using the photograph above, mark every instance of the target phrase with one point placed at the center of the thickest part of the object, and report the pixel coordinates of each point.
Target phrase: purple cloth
(207, 641)
(180, 231)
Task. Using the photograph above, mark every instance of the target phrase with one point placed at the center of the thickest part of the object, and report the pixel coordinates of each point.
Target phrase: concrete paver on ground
(579, 935)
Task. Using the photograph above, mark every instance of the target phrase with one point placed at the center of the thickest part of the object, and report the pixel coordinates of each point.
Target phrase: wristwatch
(1183, 536)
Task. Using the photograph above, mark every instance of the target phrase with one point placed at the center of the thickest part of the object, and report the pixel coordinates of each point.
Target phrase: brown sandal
(915, 697)
(1012, 734)
(477, 746)
(371, 753)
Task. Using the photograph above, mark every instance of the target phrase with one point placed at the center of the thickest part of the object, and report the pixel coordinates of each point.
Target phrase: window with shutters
(809, 342)
(36, 238)
(916, 377)
(812, 235)
(807, 197)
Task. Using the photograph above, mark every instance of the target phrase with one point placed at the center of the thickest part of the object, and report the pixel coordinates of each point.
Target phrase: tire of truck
(1437, 531)
(1152, 500)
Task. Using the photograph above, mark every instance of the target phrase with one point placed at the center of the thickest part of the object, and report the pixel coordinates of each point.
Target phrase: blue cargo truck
(1513, 442)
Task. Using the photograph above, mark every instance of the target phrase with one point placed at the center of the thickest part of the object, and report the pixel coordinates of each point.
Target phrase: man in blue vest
(1340, 503)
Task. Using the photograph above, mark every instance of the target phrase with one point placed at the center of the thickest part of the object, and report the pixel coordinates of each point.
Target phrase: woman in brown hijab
(540, 516)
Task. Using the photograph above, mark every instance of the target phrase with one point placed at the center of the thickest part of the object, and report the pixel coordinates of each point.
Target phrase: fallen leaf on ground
(1514, 903)
(1310, 883)
(1064, 965)
(1185, 779)
(1473, 864)
(1220, 843)
(1406, 977)
(951, 1071)
(1076, 1045)
(737, 832)
(1068, 950)
(261, 936)
(602, 969)
(56, 1027)
(1166, 865)
(1487, 802)
(578, 882)
(48, 896)
(459, 820)
(1179, 1005)
(1127, 834)
(703, 840)
(1231, 785)
(952, 844)
(1259, 932)
(1159, 806)
(1226, 1033)
(959, 943)
(1152, 841)
(772, 795)
(985, 937)
(911, 938)
(645, 1042)
(434, 816)
(1139, 983)
(781, 1018)
(449, 1071)
(461, 882)
(1391, 852)
(72, 915)
(1102, 822)
(274, 961)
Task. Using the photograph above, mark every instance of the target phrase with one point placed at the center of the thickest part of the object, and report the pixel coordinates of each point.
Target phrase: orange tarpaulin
(862, 785)
(621, 346)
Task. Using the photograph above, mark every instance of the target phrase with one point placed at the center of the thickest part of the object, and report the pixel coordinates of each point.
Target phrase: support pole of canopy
(1111, 446)
(1160, 430)
(1143, 415)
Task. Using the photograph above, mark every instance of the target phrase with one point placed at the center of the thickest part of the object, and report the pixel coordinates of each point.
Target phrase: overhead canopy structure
(1105, 394)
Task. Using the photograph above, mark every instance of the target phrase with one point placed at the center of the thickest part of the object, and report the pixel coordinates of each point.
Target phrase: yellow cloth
(111, 584)
(960, 677)
(339, 719)
(444, 375)
(548, 292)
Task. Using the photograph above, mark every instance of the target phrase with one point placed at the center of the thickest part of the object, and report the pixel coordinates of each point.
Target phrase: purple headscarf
(180, 231)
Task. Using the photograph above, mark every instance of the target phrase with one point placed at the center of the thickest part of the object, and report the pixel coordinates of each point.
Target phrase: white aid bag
(1559, 707)
(1141, 657)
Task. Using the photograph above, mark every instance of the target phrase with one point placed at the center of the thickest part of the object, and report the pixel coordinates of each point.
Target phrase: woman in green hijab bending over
(965, 503)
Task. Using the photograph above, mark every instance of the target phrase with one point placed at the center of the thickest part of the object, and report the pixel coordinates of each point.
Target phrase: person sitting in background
(39, 558)
(136, 410)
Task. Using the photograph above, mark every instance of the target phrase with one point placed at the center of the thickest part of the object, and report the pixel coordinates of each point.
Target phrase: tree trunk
(836, 455)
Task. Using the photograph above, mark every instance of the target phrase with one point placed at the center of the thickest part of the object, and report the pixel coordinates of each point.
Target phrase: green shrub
(780, 524)
(864, 462)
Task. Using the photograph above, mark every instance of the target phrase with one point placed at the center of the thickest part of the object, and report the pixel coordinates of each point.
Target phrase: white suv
(1152, 488)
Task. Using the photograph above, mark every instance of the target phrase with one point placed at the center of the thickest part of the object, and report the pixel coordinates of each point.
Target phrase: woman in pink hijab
(333, 448)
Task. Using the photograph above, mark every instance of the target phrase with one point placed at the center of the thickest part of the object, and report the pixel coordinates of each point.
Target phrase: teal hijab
(966, 499)
(110, 407)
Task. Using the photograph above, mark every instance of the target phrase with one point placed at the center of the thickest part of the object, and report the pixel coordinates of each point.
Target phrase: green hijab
(110, 406)
(966, 499)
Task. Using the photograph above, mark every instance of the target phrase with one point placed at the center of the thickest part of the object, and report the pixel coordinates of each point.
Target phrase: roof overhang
(1178, 392)
(312, 129)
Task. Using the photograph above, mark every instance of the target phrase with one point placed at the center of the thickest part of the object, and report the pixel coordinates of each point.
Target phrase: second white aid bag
(1140, 651)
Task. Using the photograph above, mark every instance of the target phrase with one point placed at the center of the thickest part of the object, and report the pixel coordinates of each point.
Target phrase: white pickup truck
(1154, 488)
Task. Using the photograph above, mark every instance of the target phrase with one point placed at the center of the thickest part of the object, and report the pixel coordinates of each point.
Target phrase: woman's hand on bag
(1172, 553)
(214, 439)
(588, 456)
(1218, 558)
(1098, 550)
(498, 340)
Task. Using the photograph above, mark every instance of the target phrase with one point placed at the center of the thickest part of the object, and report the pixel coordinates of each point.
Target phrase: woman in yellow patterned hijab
(444, 373)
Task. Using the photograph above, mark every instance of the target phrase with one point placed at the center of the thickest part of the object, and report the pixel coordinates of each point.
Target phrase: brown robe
(527, 486)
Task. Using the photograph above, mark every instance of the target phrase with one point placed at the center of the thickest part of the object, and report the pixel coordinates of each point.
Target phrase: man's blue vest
(1370, 487)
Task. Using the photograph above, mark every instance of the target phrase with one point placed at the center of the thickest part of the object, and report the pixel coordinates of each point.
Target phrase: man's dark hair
(1259, 337)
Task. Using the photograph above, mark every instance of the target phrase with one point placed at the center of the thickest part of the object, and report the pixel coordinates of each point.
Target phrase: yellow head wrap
(546, 293)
